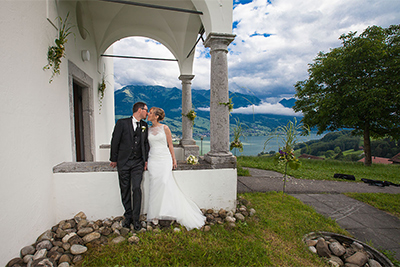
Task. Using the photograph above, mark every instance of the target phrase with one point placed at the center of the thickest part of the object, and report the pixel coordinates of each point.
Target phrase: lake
(252, 145)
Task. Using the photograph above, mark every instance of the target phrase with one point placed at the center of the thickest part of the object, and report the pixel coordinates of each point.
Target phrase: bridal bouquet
(192, 160)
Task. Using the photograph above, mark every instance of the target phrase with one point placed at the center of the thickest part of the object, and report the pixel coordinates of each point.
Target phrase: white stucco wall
(35, 119)
(97, 193)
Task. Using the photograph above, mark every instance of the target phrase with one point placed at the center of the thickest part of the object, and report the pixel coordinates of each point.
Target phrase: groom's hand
(113, 164)
(145, 166)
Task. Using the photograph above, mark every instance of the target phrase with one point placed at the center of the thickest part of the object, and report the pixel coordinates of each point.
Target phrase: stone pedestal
(219, 154)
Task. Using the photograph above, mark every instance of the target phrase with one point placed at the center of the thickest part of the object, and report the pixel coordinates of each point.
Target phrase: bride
(166, 200)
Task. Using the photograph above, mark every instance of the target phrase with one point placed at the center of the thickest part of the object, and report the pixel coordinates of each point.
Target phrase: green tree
(356, 86)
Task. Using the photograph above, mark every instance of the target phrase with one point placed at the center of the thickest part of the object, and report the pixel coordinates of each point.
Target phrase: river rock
(28, 250)
(337, 248)
(66, 246)
(47, 235)
(322, 248)
(118, 239)
(77, 259)
(239, 217)
(374, 263)
(124, 231)
(105, 230)
(82, 223)
(357, 246)
(133, 240)
(42, 262)
(65, 258)
(116, 226)
(230, 219)
(80, 216)
(107, 223)
(15, 261)
(90, 237)
(78, 249)
(76, 240)
(66, 238)
(45, 244)
(312, 249)
(54, 255)
(40, 254)
(358, 258)
(60, 233)
(252, 212)
(336, 260)
(27, 258)
(63, 264)
(84, 231)
(311, 242)
(222, 213)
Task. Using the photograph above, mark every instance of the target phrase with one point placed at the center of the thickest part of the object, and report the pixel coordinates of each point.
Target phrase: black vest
(136, 148)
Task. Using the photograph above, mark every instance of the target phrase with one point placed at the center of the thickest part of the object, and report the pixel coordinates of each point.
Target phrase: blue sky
(275, 41)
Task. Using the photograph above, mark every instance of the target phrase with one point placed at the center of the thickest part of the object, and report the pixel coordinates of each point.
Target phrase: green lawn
(272, 237)
(325, 169)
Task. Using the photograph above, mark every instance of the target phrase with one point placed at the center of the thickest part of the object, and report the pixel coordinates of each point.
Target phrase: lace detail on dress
(155, 130)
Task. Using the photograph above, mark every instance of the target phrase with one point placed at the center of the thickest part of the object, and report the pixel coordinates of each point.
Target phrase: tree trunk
(367, 147)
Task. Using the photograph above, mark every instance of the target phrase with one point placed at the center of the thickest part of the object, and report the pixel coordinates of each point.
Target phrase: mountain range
(170, 99)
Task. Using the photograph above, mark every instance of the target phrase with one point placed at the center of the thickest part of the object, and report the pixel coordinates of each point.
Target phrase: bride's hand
(174, 164)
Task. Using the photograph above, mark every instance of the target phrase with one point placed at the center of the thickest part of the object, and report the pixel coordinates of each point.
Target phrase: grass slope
(273, 237)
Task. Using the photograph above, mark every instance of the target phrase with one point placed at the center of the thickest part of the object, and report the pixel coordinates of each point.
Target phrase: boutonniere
(143, 128)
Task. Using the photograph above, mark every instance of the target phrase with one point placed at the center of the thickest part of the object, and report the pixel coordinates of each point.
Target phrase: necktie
(137, 126)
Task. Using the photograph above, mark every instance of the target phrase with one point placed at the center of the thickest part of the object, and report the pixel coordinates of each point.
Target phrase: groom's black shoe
(127, 223)
(137, 225)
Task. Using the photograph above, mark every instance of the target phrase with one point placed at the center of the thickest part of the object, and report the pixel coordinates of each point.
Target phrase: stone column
(219, 155)
(187, 129)
(187, 141)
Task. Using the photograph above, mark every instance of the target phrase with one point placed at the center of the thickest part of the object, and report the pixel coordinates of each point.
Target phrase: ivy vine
(228, 104)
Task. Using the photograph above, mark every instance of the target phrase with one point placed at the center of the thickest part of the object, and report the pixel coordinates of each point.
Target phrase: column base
(221, 160)
(189, 142)
(190, 150)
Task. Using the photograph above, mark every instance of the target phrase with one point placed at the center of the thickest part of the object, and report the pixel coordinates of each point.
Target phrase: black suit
(130, 150)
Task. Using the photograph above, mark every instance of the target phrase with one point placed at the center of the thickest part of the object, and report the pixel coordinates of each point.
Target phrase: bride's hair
(159, 112)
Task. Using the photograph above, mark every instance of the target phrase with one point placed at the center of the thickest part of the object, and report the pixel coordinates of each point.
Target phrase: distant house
(378, 160)
(306, 156)
(395, 159)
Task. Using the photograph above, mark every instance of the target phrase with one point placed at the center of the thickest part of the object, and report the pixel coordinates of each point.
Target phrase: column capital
(186, 77)
(219, 40)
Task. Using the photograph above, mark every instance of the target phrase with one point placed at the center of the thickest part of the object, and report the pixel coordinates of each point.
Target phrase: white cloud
(265, 66)
(267, 108)
(270, 66)
(145, 72)
(263, 108)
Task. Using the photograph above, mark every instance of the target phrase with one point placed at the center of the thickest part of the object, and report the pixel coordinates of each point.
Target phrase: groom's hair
(138, 105)
(159, 112)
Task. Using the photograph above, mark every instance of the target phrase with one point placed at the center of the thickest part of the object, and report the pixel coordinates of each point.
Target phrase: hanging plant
(228, 104)
(102, 88)
(56, 52)
(237, 133)
(191, 115)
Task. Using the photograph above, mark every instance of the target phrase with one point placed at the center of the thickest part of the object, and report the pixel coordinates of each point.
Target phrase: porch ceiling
(109, 22)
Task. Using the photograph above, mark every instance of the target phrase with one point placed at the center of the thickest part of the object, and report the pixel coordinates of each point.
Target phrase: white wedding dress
(166, 200)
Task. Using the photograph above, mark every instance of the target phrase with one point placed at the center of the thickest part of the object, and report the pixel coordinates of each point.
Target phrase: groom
(129, 152)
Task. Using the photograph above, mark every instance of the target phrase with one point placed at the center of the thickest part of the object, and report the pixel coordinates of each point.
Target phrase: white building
(46, 124)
